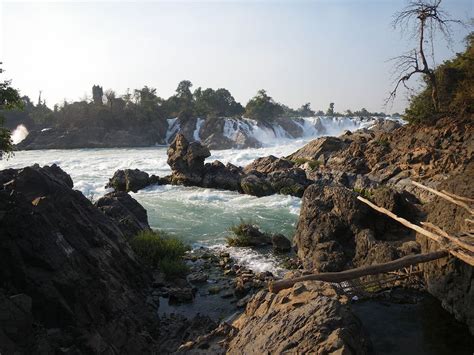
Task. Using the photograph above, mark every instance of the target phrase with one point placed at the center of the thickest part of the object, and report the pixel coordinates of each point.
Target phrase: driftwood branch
(446, 197)
(361, 271)
(460, 254)
(455, 240)
(457, 197)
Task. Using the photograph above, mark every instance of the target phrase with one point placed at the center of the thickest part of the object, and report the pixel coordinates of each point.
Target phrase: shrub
(366, 193)
(160, 250)
(241, 233)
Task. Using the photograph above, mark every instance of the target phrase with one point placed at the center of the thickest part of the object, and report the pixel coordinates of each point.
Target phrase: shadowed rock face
(66, 267)
(130, 216)
(335, 231)
(451, 280)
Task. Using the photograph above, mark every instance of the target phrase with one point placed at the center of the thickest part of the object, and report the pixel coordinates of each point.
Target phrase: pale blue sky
(299, 51)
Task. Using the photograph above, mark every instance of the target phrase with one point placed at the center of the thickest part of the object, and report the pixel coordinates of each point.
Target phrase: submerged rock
(131, 180)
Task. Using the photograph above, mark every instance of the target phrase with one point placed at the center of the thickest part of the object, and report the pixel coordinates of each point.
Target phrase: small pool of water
(420, 328)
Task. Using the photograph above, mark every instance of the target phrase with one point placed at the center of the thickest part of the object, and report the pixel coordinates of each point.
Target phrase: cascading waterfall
(173, 128)
(275, 133)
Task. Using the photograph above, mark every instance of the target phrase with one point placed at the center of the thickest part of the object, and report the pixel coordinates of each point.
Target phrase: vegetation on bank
(240, 236)
(9, 100)
(312, 163)
(159, 250)
(455, 89)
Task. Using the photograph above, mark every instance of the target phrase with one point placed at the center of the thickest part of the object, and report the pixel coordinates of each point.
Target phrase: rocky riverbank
(70, 281)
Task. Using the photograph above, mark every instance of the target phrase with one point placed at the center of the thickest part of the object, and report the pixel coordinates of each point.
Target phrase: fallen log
(276, 287)
(460, 254)
(446, 197)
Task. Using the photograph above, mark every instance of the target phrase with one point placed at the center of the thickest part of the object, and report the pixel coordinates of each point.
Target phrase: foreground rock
(130, 216)
(68, 278)
(308, 318)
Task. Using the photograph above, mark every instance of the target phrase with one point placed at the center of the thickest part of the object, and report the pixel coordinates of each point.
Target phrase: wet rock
(220, 176)
(197, 277)
(256, 186)
(126, 211)
(130, 180)
(281, 244)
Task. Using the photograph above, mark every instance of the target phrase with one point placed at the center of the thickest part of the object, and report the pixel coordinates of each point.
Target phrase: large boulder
(74, 264)
(290, 181)
(187, 161)
(256, 185)
(336, 231)
(311, 317)
(220, 176)
(130, 216)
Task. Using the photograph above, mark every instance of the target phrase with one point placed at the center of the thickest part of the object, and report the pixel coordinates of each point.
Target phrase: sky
(317, 51)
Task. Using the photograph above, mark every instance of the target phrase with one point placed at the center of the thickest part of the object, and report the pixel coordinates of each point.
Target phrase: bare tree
(422, 19)
(110, 96)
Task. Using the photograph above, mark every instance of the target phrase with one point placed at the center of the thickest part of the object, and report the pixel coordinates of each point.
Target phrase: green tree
(97, 94)
(9, 99)
(262, 107)
(455, 82)
(306, 111)
(330, 111)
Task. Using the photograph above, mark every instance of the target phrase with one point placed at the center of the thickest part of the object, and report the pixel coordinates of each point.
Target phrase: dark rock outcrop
(130, 216)
(451, 280)
(67, 269)
(187, 161)
(266, 176)
(281, 244)
(335, 231)
(131, 180)
(95, 137)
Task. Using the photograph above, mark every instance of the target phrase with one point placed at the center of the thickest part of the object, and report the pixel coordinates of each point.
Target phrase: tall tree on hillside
(97, 94)
(423, 19)
(330, 111)
(9, 99)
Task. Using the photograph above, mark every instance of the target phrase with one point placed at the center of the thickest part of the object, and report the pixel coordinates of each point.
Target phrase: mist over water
(19, 133)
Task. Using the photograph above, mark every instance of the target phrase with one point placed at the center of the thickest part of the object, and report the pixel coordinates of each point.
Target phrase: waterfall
(173, 128)
(199, 123)
(19, 133)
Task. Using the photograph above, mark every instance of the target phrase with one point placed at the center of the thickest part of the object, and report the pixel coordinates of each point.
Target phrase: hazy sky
(299, 51)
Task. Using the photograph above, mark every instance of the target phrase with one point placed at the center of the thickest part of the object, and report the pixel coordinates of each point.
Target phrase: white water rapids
(199, 216)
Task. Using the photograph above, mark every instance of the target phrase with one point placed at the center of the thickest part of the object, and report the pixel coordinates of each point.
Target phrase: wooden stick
(361, 271)
(446, 197)
(457, 197)
(441, 232)
(437, 238)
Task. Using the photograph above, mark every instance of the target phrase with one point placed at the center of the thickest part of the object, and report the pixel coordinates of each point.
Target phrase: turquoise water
(198, 216)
